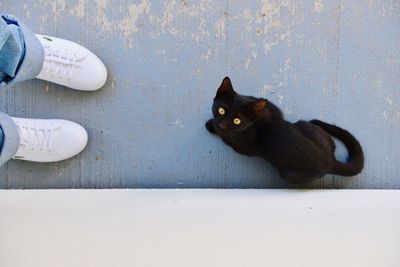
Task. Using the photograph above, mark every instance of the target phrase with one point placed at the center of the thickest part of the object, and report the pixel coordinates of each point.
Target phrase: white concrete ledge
(199, 228)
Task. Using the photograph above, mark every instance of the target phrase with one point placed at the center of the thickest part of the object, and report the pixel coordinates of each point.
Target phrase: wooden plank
(334, 60)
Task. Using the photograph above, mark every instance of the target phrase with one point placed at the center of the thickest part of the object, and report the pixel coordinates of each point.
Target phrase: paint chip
(318, 6)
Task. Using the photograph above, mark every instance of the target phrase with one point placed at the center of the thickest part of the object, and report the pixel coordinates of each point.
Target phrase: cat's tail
(355, 161)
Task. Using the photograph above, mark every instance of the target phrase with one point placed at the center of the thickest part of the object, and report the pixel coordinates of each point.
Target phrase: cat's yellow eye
(221, 111)
(236, 121)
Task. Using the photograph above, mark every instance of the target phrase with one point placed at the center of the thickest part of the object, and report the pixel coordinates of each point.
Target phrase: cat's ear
(259, 106)
(225, 89)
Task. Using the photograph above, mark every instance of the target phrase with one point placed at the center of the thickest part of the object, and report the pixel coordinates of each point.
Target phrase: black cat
(301, 151)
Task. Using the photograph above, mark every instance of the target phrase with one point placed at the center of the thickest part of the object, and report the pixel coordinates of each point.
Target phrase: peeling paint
(207, 55)
(129, 25)
(79, 9)
(378, 83)
(267, 90)
(176, 15)
(280, 99)
(219, 28)
(173, 18)
(101, 18)
(370, 2)
(318, 6)
(161, 51)
(247, 14)
(270, 18)
(385, 115)
(56, 6)
(168, 15)
(252, 56)
(179, 123)
(27, 11)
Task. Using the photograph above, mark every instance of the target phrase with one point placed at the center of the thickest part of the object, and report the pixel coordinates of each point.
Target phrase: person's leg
(10, 136)
(21, 53)
(1, 139)
(12, 49)
(70, 64)
(25, 56)
(39, 140)
(48, 140)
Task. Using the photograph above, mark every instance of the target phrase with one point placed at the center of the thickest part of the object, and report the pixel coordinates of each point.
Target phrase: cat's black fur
(301, 151)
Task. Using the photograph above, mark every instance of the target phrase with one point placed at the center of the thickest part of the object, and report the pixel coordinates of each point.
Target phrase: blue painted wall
(334, 60)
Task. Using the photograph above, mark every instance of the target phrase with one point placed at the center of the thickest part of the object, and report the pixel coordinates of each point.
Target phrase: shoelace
(57, 62)
(35, 138)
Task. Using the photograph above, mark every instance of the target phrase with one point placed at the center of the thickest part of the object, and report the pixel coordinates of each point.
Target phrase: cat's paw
(210, 126)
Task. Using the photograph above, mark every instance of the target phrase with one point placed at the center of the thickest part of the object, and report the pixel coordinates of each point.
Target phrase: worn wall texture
(334, 60)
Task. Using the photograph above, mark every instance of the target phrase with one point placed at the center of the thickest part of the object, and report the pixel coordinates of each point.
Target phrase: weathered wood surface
(334, 60)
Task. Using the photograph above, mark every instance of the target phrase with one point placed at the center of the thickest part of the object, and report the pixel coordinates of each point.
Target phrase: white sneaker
(49, 140)
(70, 64)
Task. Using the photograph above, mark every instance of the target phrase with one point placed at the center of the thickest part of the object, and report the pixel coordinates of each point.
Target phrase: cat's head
(234, 112)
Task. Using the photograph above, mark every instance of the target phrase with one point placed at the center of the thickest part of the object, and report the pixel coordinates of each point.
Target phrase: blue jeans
(21, 59)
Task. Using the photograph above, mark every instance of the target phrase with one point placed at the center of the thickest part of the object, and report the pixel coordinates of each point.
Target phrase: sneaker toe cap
(93, 73)
(71, 140)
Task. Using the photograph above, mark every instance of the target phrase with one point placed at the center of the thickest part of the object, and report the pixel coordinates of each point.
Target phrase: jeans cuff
(11, 138)
(34, 55)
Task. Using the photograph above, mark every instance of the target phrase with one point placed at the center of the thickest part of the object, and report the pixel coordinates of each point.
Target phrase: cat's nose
(222, 126)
